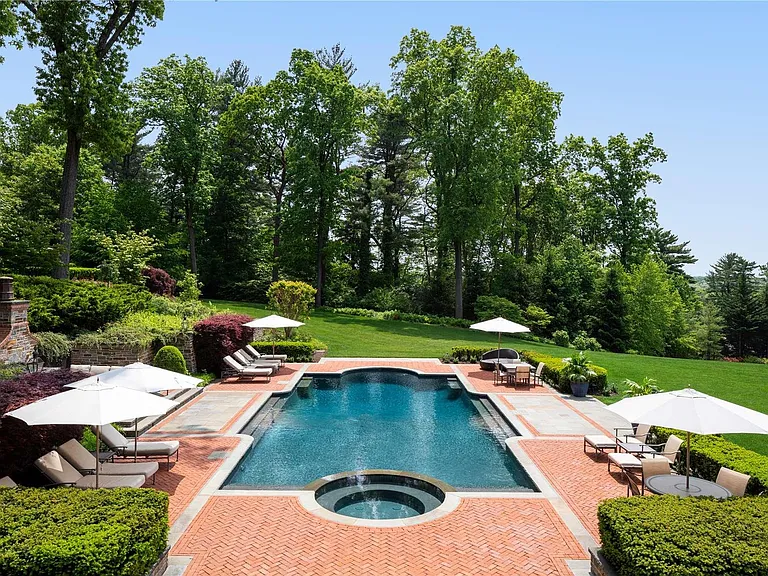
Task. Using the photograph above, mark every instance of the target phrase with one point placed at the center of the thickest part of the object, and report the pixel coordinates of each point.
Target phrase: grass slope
(352, 336)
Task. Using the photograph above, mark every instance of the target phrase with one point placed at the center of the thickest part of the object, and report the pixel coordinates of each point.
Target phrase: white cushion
(624, 460)
(600, 441)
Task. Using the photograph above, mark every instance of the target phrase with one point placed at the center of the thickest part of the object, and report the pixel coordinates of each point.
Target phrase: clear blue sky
(694, 74)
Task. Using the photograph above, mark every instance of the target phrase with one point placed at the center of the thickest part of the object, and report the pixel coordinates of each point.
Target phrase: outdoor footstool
(599, 442)
(623, 460)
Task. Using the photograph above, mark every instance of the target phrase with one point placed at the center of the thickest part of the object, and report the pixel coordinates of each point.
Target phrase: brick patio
(256, 533)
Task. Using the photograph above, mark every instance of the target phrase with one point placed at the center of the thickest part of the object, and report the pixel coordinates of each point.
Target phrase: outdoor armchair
(734, 481)
(125, 448)
(58, 470)
(636, 435)
(667, 451)
(85, 463)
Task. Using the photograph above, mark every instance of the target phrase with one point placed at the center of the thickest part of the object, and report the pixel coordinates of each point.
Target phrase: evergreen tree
(611, 310)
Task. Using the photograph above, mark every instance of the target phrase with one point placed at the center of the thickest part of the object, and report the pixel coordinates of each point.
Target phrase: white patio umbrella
(143, 378)
(96, 404)
(273, 322)
(499, 325)
(694, 412)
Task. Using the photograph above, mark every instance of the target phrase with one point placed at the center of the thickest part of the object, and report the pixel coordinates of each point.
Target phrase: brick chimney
(16, 342)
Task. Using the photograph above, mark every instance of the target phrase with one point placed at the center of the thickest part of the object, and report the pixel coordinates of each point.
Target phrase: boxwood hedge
(671, 536)
(81, 532)
(554, 372)
(295, 350)
(710, 453)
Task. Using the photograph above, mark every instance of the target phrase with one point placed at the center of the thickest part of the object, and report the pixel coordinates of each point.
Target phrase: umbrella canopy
(141, 377)
(95, 404)
(500, 325)
(691, 411)
(273, 321)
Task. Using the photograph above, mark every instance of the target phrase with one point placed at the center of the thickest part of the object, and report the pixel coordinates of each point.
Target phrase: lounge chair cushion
(256, 354)
(624, 460)
(56, 467)
(120, 443)
(84, 461)
(600, 441)
(111, 481)
(240, 369)
(7, 482)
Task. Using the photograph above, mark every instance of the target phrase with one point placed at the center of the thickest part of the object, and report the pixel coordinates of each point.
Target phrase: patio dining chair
(734, 481)
(521, 375)
(537, 375)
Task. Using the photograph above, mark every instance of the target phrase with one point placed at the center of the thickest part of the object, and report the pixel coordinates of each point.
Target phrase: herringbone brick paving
(276, 536)
(338, 365)
(581, 479)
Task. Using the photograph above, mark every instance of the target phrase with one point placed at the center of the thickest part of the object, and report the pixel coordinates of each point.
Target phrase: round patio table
(675, 484)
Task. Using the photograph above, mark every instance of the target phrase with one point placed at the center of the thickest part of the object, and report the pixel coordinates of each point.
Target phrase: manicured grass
(352, 336)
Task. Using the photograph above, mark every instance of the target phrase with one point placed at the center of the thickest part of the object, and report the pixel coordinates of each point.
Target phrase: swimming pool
(380, 419)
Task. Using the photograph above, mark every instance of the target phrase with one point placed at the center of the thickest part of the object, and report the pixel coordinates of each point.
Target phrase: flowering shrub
(20, 444)
(158, 281)
(218, 336)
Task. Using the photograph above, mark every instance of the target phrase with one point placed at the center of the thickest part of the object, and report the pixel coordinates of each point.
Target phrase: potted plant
(578, 372)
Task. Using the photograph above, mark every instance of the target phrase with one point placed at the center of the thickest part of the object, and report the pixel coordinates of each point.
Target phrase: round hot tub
(380, 495)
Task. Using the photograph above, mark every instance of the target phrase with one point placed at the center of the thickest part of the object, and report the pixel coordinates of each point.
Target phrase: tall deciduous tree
(179, 97)
(451, 92)
(84, 52)
(328, 119)
(616, 175)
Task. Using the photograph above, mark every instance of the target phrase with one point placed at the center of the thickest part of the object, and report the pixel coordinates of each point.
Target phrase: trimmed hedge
(73, 306)
(218, 336)
(170, 358)
(554, 372)
(406, 317)
(137, 329)
(120, 532)
(671, 536)
(20, 444)
(710, 453)
(296, 351)
(470, 354)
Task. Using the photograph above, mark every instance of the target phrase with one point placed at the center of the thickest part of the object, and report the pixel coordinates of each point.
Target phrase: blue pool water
(380, 420)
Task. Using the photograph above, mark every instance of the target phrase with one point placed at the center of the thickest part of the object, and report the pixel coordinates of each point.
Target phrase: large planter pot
(579, 389)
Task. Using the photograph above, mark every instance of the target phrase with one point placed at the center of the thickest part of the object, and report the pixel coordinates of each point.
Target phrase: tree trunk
(517, 219)
(67, 201)
(277, 220)
(388, 256)
(364, 248)
(191, 235)
(322, 238)
(459, 284)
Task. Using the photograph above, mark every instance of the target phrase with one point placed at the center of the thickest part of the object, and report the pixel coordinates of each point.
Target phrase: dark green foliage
(53, 348)
(561, 338)
(296, 351)
(470, 354)
(406, 317)
(82, 273)
(710, 453)
(610, 312)
(119, 532)
(247, 290)
(69, 307)
(170, 358)
(670, 536)
(20, 444)
(487, 307)
(556, 372)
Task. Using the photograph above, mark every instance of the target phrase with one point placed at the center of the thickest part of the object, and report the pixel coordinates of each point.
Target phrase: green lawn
(352, 336)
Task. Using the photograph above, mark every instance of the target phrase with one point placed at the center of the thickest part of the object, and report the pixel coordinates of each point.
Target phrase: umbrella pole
(135, 438)
(688, 463)
(498, 358)
(274, 336)
(98, 447)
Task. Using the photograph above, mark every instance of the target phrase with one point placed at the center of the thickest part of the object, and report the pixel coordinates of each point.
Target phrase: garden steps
(144, 424)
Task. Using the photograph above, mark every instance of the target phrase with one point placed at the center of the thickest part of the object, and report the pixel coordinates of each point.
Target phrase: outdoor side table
(104, 455)
(635, 448)
(675, 484)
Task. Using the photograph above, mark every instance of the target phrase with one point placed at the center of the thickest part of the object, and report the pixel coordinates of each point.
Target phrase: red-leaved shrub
(218, 336)
(158, 281)
(21, 445)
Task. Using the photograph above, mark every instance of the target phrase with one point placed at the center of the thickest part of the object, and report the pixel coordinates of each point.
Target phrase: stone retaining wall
(112, 355)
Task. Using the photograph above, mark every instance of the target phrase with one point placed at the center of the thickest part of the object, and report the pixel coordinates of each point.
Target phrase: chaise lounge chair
(85, 463)
(243, 358)
(241, 370)
(58, 470)
(259, 356)
(7, 482)
(125, 448)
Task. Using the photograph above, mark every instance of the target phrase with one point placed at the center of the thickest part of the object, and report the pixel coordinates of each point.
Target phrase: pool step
(264, 418)
(496, 423)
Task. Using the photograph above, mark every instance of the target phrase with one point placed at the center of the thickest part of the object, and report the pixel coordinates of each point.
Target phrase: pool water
(380, 419)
